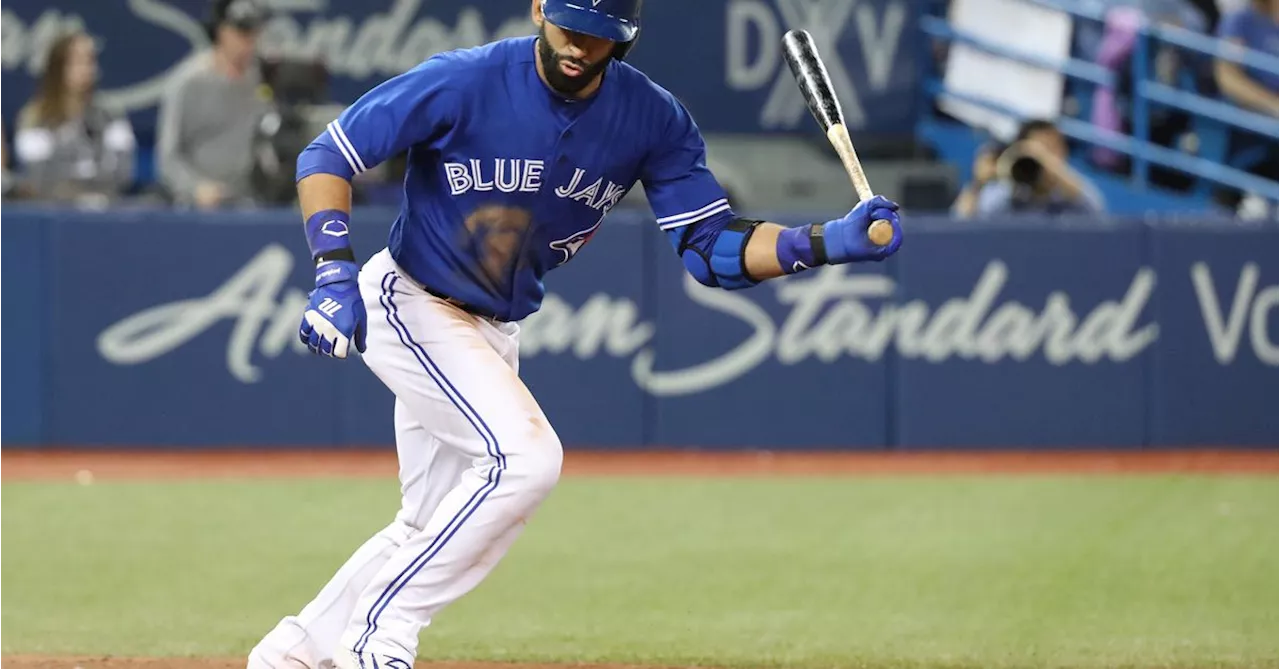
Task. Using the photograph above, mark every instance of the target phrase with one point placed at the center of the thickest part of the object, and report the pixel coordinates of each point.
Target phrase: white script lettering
(830, 314)
(249, 296)
(1224, 335)
(354, 45)
(379, 44)
(964, 327)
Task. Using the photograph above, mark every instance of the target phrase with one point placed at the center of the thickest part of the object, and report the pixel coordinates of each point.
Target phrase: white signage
(831, 314)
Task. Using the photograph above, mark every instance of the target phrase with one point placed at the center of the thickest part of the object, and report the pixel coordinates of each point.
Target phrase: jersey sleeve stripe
(344, 145)
(351, 147)
(695, 214)
(342, 148)
(677, 220)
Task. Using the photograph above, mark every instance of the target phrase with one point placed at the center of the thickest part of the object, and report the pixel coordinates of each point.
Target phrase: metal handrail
(1072, 67)
(1174, 35)
(1180, 37)
(1210, 46)
(1146, 92)
(1139, 149)
(1223, 112)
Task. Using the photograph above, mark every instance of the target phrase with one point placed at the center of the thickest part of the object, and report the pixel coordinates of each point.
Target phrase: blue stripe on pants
(491, 445)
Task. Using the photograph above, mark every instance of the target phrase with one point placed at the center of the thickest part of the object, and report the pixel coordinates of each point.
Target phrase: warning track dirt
(164, 465)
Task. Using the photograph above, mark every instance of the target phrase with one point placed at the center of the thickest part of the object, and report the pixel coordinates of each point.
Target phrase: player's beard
(556, 77)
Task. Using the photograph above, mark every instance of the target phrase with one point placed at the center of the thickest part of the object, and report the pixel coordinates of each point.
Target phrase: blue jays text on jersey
(507, 179)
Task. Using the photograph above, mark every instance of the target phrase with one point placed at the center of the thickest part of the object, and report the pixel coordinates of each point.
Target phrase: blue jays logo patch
(569, 246)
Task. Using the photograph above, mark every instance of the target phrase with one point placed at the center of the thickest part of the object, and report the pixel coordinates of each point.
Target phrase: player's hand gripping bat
(815, 84)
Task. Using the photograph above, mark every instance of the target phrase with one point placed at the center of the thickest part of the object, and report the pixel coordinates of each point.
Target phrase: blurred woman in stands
(1254, 27)
(70, 148)
(1111, 44)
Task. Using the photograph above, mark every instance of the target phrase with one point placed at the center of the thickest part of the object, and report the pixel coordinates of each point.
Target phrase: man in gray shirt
(211, 112)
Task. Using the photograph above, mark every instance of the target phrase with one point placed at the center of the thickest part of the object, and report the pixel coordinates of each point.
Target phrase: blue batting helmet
(614, 20)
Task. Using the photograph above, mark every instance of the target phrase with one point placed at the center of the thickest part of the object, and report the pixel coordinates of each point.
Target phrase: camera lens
(1025, 170)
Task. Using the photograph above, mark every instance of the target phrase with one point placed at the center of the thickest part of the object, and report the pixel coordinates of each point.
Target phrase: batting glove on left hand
(335, 316)
(846, 238)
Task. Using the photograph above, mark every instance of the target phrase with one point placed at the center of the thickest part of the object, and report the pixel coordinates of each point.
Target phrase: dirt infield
(88, 466)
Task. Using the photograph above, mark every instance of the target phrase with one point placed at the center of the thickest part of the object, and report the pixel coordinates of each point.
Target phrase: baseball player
(517, 150)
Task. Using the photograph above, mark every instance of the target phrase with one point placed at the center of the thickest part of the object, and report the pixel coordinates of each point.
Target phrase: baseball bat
(815, 84)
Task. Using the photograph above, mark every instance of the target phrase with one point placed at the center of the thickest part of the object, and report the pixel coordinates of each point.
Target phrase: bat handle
(881, 231)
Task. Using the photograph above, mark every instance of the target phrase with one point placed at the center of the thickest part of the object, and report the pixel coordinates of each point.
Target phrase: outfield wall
(179, 330)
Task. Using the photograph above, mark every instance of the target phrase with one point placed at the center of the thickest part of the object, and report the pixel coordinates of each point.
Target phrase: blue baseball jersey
(507, 179)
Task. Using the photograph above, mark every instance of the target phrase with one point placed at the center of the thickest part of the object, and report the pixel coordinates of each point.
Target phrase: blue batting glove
(335, 316)
(846, 238)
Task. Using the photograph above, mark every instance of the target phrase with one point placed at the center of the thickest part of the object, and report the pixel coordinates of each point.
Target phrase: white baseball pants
(477, 456)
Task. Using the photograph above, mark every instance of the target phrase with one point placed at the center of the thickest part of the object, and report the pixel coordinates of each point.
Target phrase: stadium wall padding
(160, 329)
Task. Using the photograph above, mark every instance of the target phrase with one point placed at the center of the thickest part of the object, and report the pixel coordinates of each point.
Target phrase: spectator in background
(1112, 107)
(1254, 27)
(6, 177)
(1228, 6)
(1032, 176)
(210, 115)
(984, 172)
(69, 147)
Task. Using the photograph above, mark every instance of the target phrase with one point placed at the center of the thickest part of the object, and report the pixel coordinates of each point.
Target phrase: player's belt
(469, 308)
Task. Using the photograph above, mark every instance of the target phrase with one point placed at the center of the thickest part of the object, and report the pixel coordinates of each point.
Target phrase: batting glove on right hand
(846, 238)
(335, 316)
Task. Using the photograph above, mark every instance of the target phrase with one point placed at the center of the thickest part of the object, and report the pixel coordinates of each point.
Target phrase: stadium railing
(1213, 120)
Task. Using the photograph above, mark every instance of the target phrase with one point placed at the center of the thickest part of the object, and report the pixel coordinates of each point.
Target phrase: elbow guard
(720, 262)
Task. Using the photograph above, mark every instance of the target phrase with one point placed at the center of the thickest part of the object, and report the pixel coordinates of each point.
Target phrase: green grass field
(1031, 571)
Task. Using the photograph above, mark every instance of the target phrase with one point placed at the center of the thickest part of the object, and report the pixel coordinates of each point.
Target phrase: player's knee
(544, 468)
(537, 465)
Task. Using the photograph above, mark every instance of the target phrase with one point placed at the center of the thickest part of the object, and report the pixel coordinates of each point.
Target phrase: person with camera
(1032, 176)
(984, 172)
